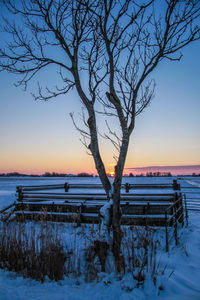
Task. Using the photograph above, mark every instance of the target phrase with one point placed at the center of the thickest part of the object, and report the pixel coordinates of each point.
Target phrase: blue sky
(39, 136)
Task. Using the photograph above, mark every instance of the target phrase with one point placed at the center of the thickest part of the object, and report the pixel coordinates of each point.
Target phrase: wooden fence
(136, 209)
(83, 207)
(174, 217)
(146, 208)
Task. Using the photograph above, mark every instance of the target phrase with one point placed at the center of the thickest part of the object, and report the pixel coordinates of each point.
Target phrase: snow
(178, 276)
(193, 182)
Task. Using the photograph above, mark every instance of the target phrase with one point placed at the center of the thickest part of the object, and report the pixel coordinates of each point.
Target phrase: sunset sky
(38, 136)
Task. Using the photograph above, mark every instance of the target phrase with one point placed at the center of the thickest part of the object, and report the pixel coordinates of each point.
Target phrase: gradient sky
(38, 136)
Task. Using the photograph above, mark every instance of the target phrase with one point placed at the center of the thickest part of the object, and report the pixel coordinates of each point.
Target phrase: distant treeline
(152, 174)
(46, 174)
(160, 174)
(84, 174)
(53, 174)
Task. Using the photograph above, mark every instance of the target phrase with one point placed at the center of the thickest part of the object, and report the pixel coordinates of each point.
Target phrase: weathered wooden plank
(49, 207)
(127, 208)
(64, 197)
(143, 209)
(103, 196)
(96, 197)
(143, 220)
(90, 218)
(6, 208)
(125, 186)
(100, 194)
(38, 216)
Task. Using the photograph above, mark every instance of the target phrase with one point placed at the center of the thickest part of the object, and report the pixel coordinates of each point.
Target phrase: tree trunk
(116, 224)
(116, 212)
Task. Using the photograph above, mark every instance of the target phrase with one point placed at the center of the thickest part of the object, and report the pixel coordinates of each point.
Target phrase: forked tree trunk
(115, 211)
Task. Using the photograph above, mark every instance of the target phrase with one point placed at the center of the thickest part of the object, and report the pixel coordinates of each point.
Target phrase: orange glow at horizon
(30, 163)
(111, 174)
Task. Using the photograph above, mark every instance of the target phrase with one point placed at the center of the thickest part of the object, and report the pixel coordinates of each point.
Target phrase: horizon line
(164, 166)
(184, 169)
(174, 170)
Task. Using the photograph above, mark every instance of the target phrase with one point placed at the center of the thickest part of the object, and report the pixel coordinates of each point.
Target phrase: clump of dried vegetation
(138, 256)
(140, 253)
(38, 251)
(33, 251)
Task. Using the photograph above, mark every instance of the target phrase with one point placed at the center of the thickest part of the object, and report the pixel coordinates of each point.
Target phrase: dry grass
(140, 252)
(37, 251)
(34, 252)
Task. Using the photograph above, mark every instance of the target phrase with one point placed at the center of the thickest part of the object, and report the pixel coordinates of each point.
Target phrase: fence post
(20, 193)
(186, 211)
(127, 187)
(166, 233)
(176, 186)
(181, 204)
(175, 226)
(177, 206)
(66, 187)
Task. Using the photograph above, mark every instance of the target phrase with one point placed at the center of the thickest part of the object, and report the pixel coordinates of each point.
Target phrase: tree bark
(116, 212)
(94, 145)
(116, 225)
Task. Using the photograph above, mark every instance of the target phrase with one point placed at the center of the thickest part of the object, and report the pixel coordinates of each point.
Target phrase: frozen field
(181, 266)
(8, 184)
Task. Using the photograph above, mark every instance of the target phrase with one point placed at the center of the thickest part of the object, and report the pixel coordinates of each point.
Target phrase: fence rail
(126, 186)
(7, 211)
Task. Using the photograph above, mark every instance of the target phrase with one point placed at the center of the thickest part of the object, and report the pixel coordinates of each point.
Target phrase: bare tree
(115, 45)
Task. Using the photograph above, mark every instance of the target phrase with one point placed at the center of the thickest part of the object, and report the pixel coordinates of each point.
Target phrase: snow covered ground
(178, 271)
